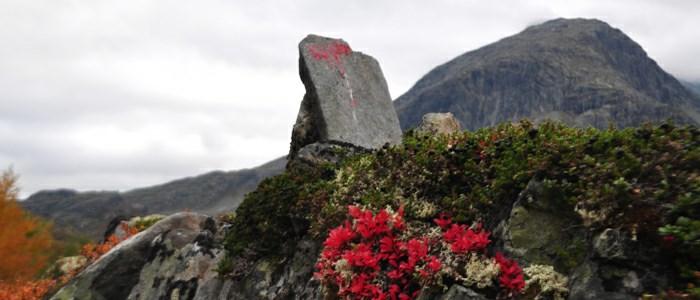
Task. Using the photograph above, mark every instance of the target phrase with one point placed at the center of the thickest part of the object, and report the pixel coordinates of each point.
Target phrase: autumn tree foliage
(25, 241)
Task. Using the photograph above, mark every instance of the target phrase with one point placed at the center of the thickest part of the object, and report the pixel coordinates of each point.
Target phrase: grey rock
(612, 244)
(122, 272)
(458, 292)
(586, 283)
(540, 231)
(347, 100)
(439, 123)
(316, 154)
(455, 292)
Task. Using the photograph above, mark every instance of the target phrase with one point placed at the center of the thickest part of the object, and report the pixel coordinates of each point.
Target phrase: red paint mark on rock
(332, 53)
(353, 102)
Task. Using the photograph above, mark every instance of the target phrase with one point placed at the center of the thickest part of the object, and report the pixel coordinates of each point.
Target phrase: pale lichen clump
(142, 223)
(480, 271)
(591, 216)
(423, 209)
(342, 266)
(546, 281)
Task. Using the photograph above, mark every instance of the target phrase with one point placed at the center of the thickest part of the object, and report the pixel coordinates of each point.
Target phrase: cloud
(122, 94)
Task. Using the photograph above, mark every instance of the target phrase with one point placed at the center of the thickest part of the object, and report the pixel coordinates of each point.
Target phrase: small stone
(631, 282)
(611, 244)
(439, 123)
(462, 293)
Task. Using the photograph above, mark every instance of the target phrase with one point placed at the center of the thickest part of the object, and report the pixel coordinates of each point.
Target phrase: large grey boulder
(347, 101)
(170, 259)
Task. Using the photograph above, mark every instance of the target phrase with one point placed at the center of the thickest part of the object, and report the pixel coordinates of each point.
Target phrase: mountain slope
(89, 212)
(692, 86)
(579, 71)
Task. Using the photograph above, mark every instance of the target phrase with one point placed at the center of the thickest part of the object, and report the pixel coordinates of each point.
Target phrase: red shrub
(375, 257)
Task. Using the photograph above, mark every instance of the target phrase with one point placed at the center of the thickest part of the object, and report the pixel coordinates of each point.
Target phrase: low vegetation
(643, 181)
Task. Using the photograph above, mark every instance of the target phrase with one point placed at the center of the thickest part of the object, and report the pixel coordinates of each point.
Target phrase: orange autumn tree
(24, 239)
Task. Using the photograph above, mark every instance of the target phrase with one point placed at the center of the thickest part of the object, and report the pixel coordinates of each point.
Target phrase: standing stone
(347, 101)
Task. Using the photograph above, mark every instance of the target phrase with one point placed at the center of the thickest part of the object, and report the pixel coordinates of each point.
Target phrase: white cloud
(122, 94)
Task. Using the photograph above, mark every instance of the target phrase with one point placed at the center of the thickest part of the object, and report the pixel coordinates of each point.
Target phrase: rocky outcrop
(347, 100)
(582, 72)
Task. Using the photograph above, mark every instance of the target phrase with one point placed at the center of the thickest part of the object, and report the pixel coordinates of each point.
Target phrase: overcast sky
(122, 94)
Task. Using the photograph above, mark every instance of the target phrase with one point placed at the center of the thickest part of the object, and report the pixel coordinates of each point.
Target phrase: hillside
(693, 87)
(582, 72)
(89, 212)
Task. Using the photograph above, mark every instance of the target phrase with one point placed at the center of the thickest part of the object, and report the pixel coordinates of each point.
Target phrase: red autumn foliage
(25, 290)
(511, 276)
(370, 248)
(463, 239)
(94, 251)
(374, 257)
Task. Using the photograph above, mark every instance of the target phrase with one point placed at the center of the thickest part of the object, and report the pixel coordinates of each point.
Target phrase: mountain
(692, 86)
(89, 212)
(579, 71)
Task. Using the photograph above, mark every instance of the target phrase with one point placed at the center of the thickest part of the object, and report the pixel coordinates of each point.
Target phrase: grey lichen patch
(542, 231)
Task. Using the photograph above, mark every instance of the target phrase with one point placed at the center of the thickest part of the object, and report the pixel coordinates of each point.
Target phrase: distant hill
(579, 71)
(692, 86)
(89, 212)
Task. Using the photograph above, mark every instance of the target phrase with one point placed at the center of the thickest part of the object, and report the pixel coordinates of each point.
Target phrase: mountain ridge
(89, 211)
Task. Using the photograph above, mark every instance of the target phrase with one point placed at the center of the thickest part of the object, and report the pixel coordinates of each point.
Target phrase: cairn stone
(347, 101)
(439, 123)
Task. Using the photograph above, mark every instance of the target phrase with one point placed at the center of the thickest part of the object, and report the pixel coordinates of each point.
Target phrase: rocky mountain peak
(579, 71)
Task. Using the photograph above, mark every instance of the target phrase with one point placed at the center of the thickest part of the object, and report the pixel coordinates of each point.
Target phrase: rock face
(582, 72)
(347, 100)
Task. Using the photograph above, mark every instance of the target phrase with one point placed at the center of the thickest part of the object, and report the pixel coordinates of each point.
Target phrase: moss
(272, 218)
